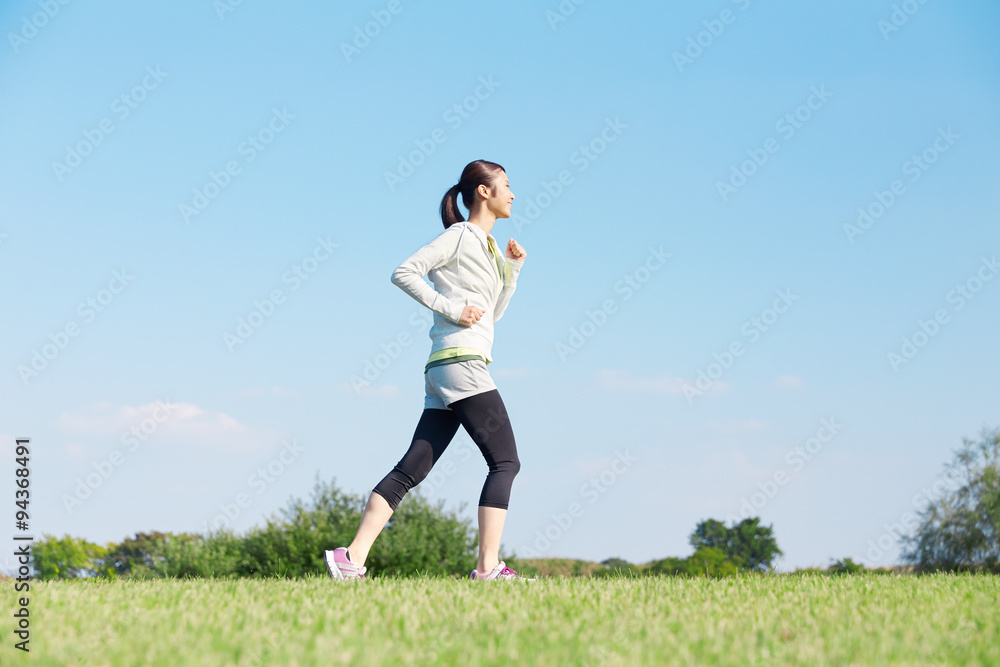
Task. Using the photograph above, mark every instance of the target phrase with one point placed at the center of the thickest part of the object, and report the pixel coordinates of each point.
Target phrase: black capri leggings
(485, 419)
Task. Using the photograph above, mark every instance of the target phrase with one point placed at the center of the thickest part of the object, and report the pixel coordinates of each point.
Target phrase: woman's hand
(515, 251)
(470, 315)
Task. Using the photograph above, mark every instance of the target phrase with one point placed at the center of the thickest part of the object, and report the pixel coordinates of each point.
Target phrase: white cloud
(788, 382)
(371, 391)
(75, 450)
(517, 372)
(593, 466)
(738, 425)
(746, 469)
(742, 462)
(731, 466)
(616, 380)
(257, 392)
(102, 418)
(191, 490)
(164, 421)
(7, 445)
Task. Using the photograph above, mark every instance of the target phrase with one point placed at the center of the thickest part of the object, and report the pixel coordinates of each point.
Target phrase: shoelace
(506, 571)
(360, 571)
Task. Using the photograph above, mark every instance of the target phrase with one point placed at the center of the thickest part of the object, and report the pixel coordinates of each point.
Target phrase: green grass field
(807, 619)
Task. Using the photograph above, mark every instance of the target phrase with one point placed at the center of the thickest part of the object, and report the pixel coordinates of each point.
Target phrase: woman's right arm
(409, 276)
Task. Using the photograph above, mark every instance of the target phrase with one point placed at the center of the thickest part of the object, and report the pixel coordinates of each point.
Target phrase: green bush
(704, 562)
(291, 544)
(713, 562)
(617, 567)
(845, 566)
(419, 538)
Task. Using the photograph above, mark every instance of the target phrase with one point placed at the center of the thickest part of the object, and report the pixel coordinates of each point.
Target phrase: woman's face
(501, 198)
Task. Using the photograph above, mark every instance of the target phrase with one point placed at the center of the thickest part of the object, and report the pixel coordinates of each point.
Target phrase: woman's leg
(491, 520)
(377, 513)
(485, 419)
(434, 432)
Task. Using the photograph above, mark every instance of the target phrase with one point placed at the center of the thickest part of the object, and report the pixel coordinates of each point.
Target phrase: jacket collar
(480, 234)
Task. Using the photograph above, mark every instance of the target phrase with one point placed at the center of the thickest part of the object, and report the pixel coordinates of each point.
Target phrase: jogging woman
(472, 288)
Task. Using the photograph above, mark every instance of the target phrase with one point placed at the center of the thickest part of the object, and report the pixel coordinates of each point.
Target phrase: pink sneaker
(340, 566)
(501, 571)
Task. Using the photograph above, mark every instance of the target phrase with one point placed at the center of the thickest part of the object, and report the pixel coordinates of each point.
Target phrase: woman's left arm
(513, 262)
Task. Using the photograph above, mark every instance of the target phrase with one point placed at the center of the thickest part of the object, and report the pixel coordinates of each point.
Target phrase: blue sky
(118, 117)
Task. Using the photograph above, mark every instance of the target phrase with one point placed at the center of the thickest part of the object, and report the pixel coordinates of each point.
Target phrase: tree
(961, 529)
(616, 563)
(710, 533)
(66, 557)
(145, 555)
(752, 544)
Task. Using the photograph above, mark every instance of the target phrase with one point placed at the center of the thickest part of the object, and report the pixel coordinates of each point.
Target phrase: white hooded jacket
(464, 273)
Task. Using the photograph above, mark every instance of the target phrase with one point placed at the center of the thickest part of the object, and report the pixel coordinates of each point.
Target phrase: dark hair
(476, 173)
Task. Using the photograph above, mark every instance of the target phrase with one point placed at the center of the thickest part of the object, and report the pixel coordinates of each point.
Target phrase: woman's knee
(418, 465)
(509, 466)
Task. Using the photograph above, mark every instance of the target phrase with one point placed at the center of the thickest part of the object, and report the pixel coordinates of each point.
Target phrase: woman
(472, 287)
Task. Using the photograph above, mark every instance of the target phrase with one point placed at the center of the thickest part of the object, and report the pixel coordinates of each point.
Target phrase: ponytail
(476, 173)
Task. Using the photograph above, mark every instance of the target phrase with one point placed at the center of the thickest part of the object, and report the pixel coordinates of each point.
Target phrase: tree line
(958, 531)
